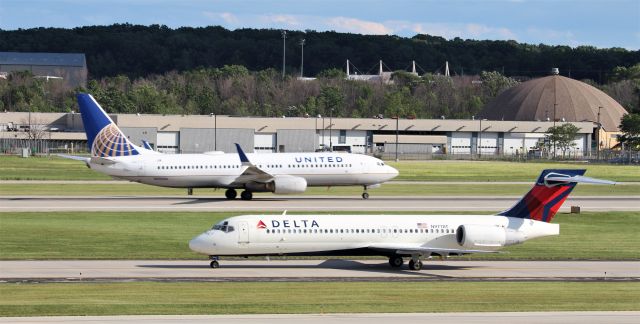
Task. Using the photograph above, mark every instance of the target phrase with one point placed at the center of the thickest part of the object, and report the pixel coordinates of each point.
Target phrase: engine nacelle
(483, 236)
(280, 185)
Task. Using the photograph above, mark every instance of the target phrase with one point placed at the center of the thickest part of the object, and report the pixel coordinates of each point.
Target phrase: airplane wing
(251, 173)
(408, 249)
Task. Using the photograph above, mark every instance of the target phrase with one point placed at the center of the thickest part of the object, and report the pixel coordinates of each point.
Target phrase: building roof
(56, 59)
(574, 101)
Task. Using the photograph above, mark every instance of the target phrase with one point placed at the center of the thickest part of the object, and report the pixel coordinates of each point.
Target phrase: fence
(14, 146)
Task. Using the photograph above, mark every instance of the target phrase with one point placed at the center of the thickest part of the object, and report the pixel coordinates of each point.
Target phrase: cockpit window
(224, 227)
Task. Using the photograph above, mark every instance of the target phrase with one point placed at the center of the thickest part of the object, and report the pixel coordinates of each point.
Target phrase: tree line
(234, 90)
(139, 51)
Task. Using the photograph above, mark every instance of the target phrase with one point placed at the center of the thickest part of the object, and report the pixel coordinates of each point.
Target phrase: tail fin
(104, 138)
(547, 195)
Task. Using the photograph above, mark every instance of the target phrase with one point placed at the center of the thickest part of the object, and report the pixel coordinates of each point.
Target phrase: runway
(298, 203)
(314, 270)
(445, 318)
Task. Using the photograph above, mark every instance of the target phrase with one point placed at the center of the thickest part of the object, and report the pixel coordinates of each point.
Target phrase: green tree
(494, 82)
(332, 74)
(562, 137)
(630, 127)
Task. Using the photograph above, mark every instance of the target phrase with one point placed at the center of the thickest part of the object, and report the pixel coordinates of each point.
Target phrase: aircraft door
(243, 232)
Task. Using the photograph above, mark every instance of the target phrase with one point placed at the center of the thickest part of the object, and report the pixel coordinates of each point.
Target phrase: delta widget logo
(261, 224)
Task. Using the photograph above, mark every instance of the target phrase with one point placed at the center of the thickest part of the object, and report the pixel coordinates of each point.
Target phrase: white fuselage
(223, 170)
(363, 234)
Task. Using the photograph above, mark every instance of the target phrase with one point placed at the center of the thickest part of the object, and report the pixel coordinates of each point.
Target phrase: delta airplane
(281, 173)
(394, 236)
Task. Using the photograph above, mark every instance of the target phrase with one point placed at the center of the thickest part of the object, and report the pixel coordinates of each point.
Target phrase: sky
(600, 23)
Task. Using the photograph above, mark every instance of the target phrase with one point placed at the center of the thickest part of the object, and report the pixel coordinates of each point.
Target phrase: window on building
(342, 139)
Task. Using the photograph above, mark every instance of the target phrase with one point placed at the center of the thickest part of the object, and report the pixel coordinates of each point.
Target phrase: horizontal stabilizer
(554, 179)
(84, 159)
(74, 157)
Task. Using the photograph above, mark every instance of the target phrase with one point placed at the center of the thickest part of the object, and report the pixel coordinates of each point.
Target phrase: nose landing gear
(214, 262)
(365, 194)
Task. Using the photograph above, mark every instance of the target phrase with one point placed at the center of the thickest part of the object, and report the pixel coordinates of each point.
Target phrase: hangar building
(415, 138)
(70, 67)
(559, 98)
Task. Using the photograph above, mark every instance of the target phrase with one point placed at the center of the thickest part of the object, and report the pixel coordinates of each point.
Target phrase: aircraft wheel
(214, 264)
(396, 261)
(230, 194)
(415, 265)
(246, 195)
(365, 195)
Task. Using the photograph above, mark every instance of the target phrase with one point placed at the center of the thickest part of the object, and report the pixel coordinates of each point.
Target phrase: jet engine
(281, 184)
(475, 236)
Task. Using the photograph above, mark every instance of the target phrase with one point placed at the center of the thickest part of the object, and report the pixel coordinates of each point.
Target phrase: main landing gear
(246, 195)
(396, 261)
(230, 194)
(415, 264)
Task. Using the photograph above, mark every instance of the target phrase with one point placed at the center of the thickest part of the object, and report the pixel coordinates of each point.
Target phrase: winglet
(146, 145)
(243, 157)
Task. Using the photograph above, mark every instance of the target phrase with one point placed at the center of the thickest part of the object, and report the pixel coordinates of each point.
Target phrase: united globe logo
(110, 142)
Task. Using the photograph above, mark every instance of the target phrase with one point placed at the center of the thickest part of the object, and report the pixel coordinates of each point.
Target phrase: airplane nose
(201, 244)
(393, 171)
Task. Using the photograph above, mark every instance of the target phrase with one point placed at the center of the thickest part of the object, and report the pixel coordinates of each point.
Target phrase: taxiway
(297, 203)
(313, 270)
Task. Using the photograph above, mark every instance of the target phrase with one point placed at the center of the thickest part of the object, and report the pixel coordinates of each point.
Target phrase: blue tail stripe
(93, 118)
(547, 208)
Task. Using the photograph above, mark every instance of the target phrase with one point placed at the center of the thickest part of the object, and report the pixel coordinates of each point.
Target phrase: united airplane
(114, 154)
(394, 236)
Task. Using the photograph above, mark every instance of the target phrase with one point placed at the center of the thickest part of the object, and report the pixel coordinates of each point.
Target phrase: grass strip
(300, 298)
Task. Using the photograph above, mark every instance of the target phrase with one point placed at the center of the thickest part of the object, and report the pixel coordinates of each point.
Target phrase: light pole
(330, 129)
(215, 132)
(555, 107)
(302, 58)
(397, 124)
(598, 136)
(480, 139)
(323, 147)
(284, 50)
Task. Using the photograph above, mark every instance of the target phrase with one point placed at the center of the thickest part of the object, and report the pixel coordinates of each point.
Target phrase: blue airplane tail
(104, 138)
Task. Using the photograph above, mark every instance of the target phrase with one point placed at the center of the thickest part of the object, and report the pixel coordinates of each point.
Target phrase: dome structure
(566, 99)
